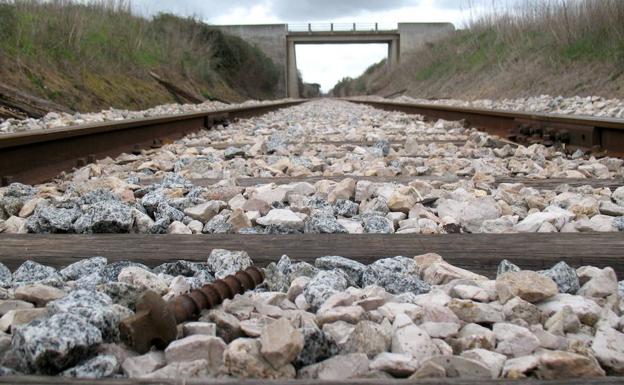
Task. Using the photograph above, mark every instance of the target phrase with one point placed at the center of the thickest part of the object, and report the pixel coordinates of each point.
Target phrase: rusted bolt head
(152, 324)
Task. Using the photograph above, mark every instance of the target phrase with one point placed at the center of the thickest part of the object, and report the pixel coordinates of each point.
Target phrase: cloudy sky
(312, 61)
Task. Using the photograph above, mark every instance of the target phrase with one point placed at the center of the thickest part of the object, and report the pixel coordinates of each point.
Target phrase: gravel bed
(63, 119)
(416, 317)
(590, 105)
(108, 197)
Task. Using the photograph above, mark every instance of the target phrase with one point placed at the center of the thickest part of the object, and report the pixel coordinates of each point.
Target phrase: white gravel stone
(8, 305)
(462, 367)
(280, 343)
(281, 217)
(519, 367)
(204, 328)
(608, 346)
(181, 370)
(398, 365)
(494, 361)
(587, 310)
(603, 284)
(514, 341)
(470, 311)
(139, 366)
(143, 279)
(38, 294)
(351, 314)
(411, 340)
(196, 347)
(204, 211)
(352, 227)
(178, 286)
(443, 272)
(528, 285)
(243, 359)
(340, 367)
(177, 227)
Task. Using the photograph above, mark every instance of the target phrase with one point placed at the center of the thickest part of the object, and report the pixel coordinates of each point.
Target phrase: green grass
(105, 39)
(558, 34)
(592, 47)
(476, 52)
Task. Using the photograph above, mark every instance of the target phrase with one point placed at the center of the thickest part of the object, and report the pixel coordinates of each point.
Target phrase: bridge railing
(342, 27)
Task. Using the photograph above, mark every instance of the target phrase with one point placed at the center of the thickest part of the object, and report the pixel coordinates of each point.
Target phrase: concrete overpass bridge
(279, 41)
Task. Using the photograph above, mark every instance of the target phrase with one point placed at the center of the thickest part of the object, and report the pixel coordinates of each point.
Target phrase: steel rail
(39, 155)
(576, 131)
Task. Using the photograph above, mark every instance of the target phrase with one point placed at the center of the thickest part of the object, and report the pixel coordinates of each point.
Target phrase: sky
(347, 60)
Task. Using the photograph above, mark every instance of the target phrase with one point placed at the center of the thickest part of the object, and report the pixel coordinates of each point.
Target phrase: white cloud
(327, 64)
(257, 14)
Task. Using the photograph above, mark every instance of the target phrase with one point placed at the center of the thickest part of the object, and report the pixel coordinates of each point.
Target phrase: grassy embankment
(93, 56)
(559, 47)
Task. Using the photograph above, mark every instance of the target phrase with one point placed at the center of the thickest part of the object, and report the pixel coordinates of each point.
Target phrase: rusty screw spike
(155, 321)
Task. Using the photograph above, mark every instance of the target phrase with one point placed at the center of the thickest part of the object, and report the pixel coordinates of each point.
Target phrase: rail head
(40, 155)
(600, 135)
(60, 133)
(605, 122)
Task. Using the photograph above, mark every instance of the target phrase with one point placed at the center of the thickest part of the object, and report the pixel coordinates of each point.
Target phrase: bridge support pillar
(393, 53)
(292, 80)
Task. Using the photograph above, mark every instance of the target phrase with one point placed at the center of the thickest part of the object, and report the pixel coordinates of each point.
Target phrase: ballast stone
(31, 272)
(352, 268)
(6, 277)
(388, 269)
(528, 285)
(225, 262)
(105, 217)
(49, 219)
(280, 343)
(323, 285)
(316, 347)
(38, 294)
(96, 367)
(411, 340)
(242, 359)
(377, 224)
(94, 307)
(281, 217)
(141, 365)
(564, 276)
(323, 224)
(111, 271)
(84, 267)
(53, 344)
(195, 347)
(608, 345)
(142, 279)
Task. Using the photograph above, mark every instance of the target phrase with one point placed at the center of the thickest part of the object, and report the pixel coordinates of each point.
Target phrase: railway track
(470, 253)
(37, 156)
(590, 133)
